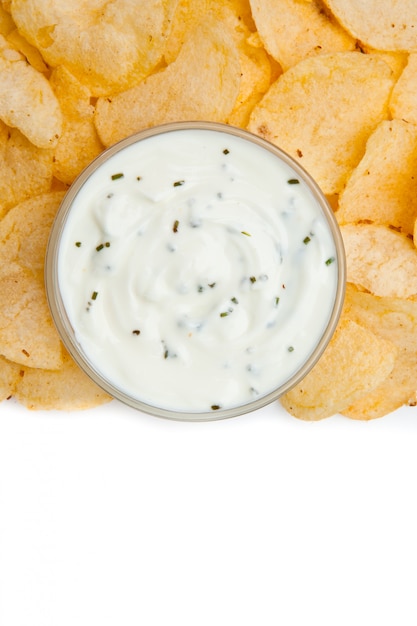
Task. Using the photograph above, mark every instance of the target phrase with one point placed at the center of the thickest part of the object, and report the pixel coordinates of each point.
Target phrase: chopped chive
(175, 226)
(135, 332)
(330, 260)
(291, 349)
(235, 300)
(94, 295)
(178, 183)
(100, 247)
(215, 407)
(78, 244)
(166, 354)
(138, 177)
(226, 151)
(245, 233)
(306, 240)
(293, 181)
(252, 279)
(107, 244)
(276, 301)
(224, 314)
(117, 176)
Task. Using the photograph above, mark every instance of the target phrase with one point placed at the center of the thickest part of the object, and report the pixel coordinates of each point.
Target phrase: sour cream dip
(195, 271)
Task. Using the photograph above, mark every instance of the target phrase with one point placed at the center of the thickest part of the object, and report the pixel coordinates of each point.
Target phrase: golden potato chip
(25, 170)
(9, 377)
(31, 53)
(310, 112)
(66, 389)
(24, 232)
(109, 46)
(383, 187)
(201, 84)
(395, 320)
(27, 101)
(403, 103)
(78, 127)
(292, 30)
(354, 363)
(381, 24)
(27, 333)
(380, 260)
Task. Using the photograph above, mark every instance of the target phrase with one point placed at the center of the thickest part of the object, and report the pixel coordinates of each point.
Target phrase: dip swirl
(197, 270)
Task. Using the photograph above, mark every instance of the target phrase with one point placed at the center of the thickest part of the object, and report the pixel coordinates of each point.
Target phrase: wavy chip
(380, 260)
(201, 84)
(109, 46)
(66, 389)
(25, 170)
(310, 113)
(27, 101)
(355, 362)
(27, 333)
(78, 127)
(9, 378)
(381, 24)
(394, 320)
(383, 187)
(292, 30)
(404, 95)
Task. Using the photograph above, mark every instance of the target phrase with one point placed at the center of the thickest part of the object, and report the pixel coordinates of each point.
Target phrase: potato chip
(66, 389)
(25, 170)
(109, 46)
(380, 260)
(201, 84)
(7, 24)
(27, 101)
(404, 95)
(255, 65)
(31, 54)
(27, 333)
(310, 113)
(381, 24)
(9, 377)
(354, 363)
(78, 127)
(383, 187)
(293, 30)
(394, 320)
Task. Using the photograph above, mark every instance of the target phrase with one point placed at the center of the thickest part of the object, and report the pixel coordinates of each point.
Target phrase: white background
(112, 517)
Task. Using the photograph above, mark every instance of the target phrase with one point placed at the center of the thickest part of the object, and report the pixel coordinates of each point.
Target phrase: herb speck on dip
(210, 275)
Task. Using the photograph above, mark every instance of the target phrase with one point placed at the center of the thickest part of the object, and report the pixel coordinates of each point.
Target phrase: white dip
(197, 270)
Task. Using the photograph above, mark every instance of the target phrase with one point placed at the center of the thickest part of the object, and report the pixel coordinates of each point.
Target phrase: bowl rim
(64, 326)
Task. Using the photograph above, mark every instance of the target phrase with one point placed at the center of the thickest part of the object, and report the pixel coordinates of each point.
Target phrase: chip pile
(331, 82)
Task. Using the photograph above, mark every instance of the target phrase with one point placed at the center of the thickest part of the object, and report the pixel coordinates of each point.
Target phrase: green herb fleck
(117, 176)
(226, 151)
(166, 354)
(306, 240)
(245, 233)
(107, 244)
(211, 285)
(100, 247)
(135, 332)
(94, 295)
(78, 244)
(224, 314)
(293, 181)
(175, 226)
(277, 301)
(178, 183)
(200, 288)
(252, 279)
(215, 407)
(330, 260)
(138, 177)
(291, 349)
(235, 300)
